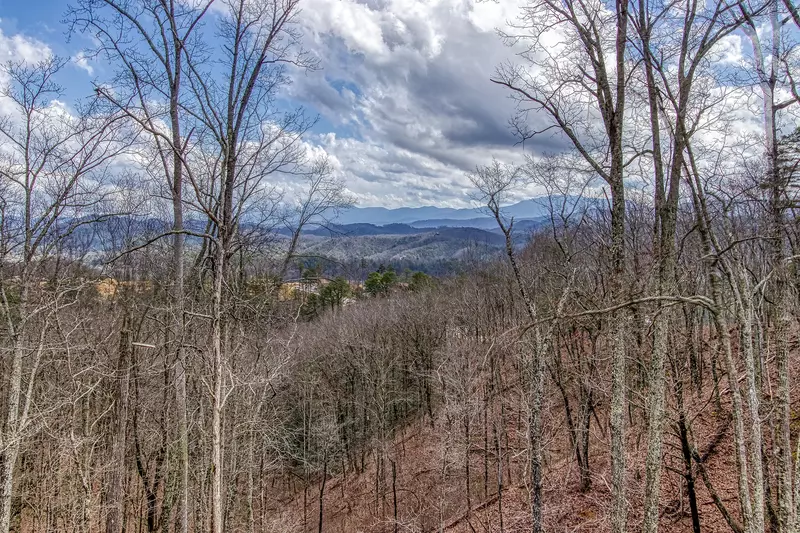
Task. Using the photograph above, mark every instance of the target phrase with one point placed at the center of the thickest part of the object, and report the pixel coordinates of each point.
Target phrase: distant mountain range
(477, 229)
(433, 239)
(420, 248)
(431, 217)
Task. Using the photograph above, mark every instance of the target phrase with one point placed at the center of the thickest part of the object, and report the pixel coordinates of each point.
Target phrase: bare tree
(494, 184)
(54, 167)
(150, 41)
(245, 141)
(567, 79)
(770, 52)
(692, 33)
(323, 199)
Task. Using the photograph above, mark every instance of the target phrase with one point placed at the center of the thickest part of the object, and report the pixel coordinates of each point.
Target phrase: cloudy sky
(404, 96)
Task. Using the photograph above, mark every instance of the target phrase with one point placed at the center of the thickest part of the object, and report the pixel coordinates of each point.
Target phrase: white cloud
(406, 84)
(729, 50)
(16, 48)
(22, 48)
(82, 62)
(488, 16)
(382, 173)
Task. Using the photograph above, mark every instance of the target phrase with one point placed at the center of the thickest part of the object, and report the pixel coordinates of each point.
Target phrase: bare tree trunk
(322, 492)
(765, 64)
(745, 319)
(718, 313)
(686, 451)
(11, 434)
(466, 461)
(17, 408)
(217, 392)
(614, 126)
(114, 518)
(178, 299)
(499, 475)
(394, 498)
(536, 439)
(776, 183)
(796, 524)
(619, 513)
(656, 398)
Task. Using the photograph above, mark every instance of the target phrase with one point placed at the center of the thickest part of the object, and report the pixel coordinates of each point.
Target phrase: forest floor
(417, 482)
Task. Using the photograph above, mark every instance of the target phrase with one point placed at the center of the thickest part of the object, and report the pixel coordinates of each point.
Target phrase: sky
(404, 96)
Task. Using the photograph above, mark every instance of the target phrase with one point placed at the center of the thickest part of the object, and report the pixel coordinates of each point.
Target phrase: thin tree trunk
(686, 450)
(745, 318)
(499, 476)
(466, 462)
(619, 513)
(394, 497)
(14, 419)
(114, 518)
(179, 323)
(718, 314)
(216, 414)
(536, 439)
(322, 491)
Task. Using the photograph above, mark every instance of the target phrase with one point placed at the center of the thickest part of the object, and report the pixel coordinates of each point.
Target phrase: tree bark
(114, 518)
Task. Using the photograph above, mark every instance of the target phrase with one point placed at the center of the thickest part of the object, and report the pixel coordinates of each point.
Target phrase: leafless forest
(625, 367)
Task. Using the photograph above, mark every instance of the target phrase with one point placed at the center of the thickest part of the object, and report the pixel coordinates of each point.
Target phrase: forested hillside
(196, 338)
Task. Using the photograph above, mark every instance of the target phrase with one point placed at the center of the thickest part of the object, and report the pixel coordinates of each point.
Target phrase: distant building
(108, 288)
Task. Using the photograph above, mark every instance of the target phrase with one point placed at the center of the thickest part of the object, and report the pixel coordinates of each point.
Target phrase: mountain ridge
(531, 208)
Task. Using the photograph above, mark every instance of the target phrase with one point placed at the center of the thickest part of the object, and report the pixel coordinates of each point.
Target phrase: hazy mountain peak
(428, 216)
